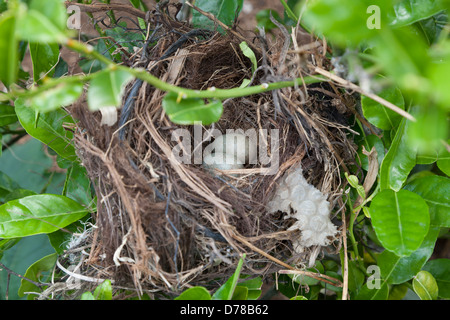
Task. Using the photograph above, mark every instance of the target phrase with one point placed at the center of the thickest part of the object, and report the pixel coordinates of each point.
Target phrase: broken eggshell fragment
(299, 200)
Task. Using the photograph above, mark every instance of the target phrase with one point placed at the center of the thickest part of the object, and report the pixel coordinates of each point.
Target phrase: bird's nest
(162, 225)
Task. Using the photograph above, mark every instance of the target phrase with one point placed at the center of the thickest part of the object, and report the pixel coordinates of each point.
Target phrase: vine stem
(210, 93)
(140, 73)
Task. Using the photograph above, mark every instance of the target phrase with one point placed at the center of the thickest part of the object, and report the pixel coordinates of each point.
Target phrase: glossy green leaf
(9, 64)
(6, 244)
(45, 21)
(400, 220)
(398, 161)
(240, 293)
(60, 96)
(437, 72)
(433, 26)
(253, 288)
(226, 291)
(103, 291)
(440, 269)
(430, 129)
(190, 111)
(7, 185)
(34, 272)
(369, 293)
(443, 161)
(435, 190)
(87, 296)
(405, 12)
(194, 293)
(396, 270)
(355, 277)
(249, 54)
(18, 194)
(224, 10)
(107, 88)
(78, 185)
(44, 213)
(19, 258)
(48, 129)
(398, 292)
(425, 286)
(379, 115)
(403, 56)
(7, 115)
(3, 6)
(44, 57)
(345, 21)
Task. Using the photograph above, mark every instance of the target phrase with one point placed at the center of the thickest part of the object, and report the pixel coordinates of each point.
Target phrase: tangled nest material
(161, 225)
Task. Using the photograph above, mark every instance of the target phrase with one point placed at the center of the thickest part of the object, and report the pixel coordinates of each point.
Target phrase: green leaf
(406, 12)
(430, 129)
(44, 213)
(226, 291)
(379, 115)
(398, 161)
(9, 47)
(6, 244)
(18, 194)
(400, 220)
(396, 270)
(433, 26)
(224, 10)
(189, 111)
(398, 292)
(44, 57)
(78, 185)
(19, 258)
(344, 21)
(103, 291)
(7, 185)
(249, 54)
(435, 190)
(439, 268)
(61, 95)
(443, 161)
(107, 88)
(367, 293)
(45, 22)
(240, 293)
(437, 72)
(425, 286)
(7, 115)
(253, 288)
(194, 293)
(355, 277)
(87, 296)
(48, 129)
(34, 272)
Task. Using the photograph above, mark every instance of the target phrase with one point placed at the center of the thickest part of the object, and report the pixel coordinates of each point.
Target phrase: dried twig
(358, 89)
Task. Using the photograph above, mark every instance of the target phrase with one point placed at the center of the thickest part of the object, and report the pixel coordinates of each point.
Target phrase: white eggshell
(221, 161)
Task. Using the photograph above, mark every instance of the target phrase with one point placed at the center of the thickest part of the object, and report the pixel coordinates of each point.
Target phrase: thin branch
(38, 284)
(358, 89)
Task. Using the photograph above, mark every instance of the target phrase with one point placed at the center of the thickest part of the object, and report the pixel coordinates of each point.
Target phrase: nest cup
(164, 225)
